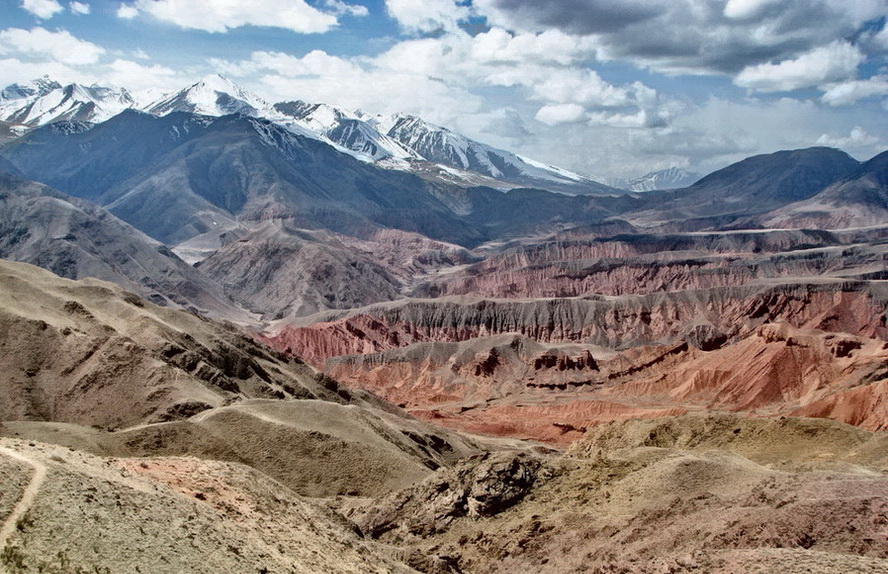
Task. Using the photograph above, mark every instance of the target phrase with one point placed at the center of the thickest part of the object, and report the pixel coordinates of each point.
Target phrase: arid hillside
(689, 494)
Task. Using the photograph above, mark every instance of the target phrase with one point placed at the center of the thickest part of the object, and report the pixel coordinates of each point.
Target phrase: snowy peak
(214, 95)
(319, 117)
(44, 101)
(346, 130)
(32, 89)
(670, 178)
(395, 142)
(434, 143)
(443, 146)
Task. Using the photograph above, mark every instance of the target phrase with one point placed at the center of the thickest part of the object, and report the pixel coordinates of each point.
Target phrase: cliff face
(638, 264)
(551, 369)
(726, 313)
(511, 385)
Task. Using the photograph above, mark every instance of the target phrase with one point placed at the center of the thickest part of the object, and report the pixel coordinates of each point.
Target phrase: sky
(608, 88)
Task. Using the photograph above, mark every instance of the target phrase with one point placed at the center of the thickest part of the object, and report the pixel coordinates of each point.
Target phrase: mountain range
(396, 142)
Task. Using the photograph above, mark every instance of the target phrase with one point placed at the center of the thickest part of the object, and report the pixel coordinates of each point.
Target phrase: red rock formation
(511, 385)
(728, 313)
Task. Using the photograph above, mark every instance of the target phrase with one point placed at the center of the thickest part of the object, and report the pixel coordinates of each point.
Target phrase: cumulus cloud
(428, 15)
(833, 62)
(59, 46)
(554, 114)
(848, 93)
(573, 16)
(857, 139)
(223, 15)
(15, 70)
(42, 8)
(580, 86)
(548, 47)
(79, 8)
(549, 67)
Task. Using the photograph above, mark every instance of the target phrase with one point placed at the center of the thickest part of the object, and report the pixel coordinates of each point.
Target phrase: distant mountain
(44, 101)
(212, 96)
(670, 178)
(400, 142)
(76, 239)
(442, 146)
(344, 129)
(752, 186)
(183, 175)
(30, 89)
(283, 273)
(859, 200)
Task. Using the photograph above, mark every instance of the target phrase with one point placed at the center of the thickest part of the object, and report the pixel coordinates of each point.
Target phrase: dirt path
(27, 496)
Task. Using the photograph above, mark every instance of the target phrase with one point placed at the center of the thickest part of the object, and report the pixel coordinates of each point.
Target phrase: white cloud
(79, 7)
(427, 15)
(127, 12)
(579, 86)
(223, 15)
(554, 114)
(15, 70)
(850, 92)
(741, 9)
(138, 77)
(340, 8)
(856, 140)
(315, 64)
(42, 8)
(831, 63)
(320, 77)
(59, 46)
(552, 46)
(547, 66)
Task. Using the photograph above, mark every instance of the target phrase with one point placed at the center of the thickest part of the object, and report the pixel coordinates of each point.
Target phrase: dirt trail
(24, 504)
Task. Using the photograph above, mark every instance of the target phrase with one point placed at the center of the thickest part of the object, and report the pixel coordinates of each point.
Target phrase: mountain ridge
(45, 101)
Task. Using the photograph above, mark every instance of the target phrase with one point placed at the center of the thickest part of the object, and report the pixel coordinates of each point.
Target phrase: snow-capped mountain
(670, 178)
(31, 89)
(346, 129)
(44, 101)
(443, 146)
(396, 142)
(212, 96)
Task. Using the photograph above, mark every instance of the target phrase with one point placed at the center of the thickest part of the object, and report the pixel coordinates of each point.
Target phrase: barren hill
(688, 494)
(168, 515)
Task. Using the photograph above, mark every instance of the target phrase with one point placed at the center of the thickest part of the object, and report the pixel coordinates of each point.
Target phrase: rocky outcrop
(479, 487)
(679, 494)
